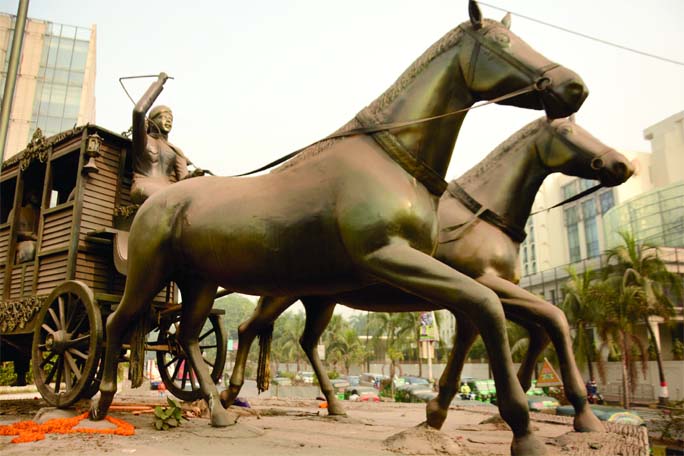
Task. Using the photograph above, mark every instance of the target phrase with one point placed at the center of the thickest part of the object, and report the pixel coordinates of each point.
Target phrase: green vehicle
(484, 389)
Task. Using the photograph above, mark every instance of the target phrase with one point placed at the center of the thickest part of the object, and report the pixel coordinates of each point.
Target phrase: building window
(573, 243)
(569, 190)
(607, 201)
(590, 228)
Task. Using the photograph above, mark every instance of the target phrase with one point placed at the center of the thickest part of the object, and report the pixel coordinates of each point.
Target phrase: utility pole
(12, 70)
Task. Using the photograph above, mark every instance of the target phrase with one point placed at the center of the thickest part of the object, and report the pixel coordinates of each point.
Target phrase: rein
(538, 85)
(581, 194)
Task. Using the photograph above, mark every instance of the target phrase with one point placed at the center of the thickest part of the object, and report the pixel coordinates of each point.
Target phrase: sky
(256, 80)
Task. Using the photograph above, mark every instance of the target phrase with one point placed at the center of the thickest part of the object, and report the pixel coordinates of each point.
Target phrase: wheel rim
(174, 367)
(66, 344)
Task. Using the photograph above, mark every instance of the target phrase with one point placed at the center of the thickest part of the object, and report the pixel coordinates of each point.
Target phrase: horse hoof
(226, 400)
(100, 407)
(587, 422)
(435, 416)
(527, 445)
(222, 418)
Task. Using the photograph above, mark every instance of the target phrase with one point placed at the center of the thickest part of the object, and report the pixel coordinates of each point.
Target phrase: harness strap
(417, 168)
(582, 194)
(513, 231)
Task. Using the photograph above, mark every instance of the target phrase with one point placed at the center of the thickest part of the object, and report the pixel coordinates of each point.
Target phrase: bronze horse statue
(345, 214)
(482, 215)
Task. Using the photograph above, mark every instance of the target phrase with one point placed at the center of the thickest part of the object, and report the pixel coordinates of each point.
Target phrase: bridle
(434, 182)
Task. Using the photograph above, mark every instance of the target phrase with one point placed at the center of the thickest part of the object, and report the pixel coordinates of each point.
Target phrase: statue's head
(161, 119)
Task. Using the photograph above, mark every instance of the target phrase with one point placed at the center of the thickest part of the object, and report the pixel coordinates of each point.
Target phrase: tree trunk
(663, 395)
(625, 378)
(589, 354)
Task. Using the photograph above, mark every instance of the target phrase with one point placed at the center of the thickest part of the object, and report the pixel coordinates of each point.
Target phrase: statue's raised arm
(156, 162)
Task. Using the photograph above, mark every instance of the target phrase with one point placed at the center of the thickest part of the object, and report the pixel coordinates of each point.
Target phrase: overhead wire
(584, 35)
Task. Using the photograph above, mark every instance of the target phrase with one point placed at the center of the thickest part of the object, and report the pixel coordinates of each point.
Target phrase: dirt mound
(423, 440)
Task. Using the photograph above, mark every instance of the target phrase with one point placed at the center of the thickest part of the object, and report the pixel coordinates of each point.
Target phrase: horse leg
(319, 311)
(525, 305)
(268, 309)
(538, 342)
(438, 407)
(141, 288)
(198, 298)
(400, 265)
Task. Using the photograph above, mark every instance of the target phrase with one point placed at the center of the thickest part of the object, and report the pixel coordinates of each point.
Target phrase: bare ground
(275, 427)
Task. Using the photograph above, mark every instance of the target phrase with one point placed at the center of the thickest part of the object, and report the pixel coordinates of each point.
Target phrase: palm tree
(396, 328)
(637, 264)
(347, 348)
(621, 310)
(581, 313)
(286, 333)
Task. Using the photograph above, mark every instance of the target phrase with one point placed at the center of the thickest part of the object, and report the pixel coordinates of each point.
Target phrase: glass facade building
(55, 85)
(655, 217)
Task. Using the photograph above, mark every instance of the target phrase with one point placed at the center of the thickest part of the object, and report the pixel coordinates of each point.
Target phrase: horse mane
(495, 156)
(375, 109)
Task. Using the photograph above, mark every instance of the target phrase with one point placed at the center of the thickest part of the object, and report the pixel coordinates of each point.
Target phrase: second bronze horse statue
(484, 246)
(349, 213)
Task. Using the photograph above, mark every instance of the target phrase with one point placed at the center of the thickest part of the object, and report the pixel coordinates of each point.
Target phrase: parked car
(361, 393)
(414, 392)
(369, 379)
(339, 384)
(538, 403)
(607, 413)
(484, 389)
(305, 377)
(282, 381)
(353, 380)
(411, 380)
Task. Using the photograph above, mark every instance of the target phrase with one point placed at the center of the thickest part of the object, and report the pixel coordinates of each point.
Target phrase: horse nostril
(596, 164)
(576, 91)
(622, 170)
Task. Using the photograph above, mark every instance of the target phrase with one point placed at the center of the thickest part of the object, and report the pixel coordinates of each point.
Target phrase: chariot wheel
(67, 344)
(174, 367)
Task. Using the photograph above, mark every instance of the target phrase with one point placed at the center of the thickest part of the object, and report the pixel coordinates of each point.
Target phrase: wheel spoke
(206, 334)
(175, 370)
(58, 378)
(47, 328)
(72, 364)
(48, 360)
(174, 359)
(204, 347)
(77, 352)
(74, 328)
(206, 361)
(54, 317)
(67, 375)
(185, 374)
(62, 314)
(79, 340)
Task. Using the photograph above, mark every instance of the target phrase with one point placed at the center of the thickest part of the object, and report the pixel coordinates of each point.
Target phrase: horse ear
(475, 14)
(572, 118)
(506, 21)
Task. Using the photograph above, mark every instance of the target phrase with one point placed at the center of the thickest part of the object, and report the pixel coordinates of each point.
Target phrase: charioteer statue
(156, 162)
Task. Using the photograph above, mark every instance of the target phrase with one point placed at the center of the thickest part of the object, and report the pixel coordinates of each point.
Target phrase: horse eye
(502, 38)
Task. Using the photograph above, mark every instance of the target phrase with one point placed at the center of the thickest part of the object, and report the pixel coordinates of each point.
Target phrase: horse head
(574, 151)
(500, 62)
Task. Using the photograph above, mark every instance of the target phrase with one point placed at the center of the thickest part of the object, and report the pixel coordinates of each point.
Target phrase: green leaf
(173, 422)
(171, 402)
(165, 426)
(158, 424)
(158, 412)
(177, 413)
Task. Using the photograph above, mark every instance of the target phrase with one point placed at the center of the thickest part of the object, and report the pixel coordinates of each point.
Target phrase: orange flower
(30, 431)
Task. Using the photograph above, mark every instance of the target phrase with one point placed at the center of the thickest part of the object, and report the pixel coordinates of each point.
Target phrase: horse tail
(264, 368)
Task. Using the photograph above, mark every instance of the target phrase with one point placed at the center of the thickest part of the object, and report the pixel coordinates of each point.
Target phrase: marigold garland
(30, 431)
